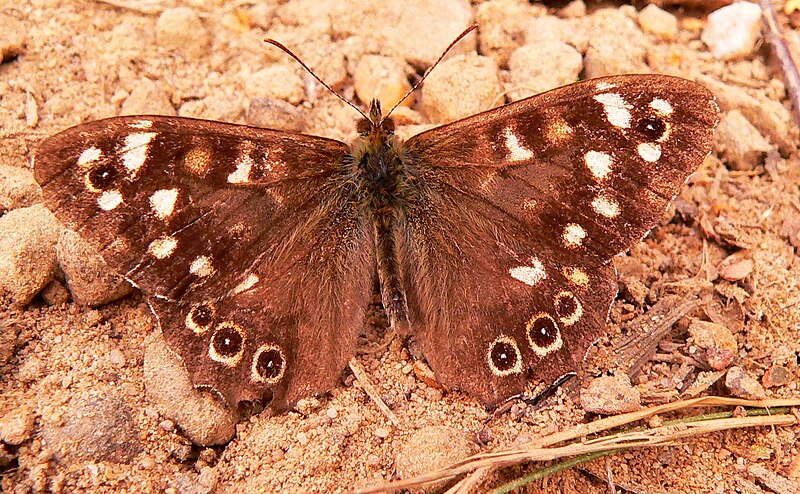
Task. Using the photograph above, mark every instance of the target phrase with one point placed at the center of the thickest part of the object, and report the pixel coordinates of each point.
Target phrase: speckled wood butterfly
(490, 237)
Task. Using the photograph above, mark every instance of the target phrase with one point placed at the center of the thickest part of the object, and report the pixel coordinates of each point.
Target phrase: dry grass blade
(143, 6)
(544, 450)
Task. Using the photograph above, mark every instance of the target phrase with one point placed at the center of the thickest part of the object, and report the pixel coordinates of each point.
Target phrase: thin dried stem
(363, 379)
(777, 40)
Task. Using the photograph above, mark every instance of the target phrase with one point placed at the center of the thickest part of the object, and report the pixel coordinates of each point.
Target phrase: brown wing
(244, 239)
(507, 272)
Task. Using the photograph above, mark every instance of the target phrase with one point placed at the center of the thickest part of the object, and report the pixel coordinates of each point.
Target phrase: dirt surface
(74, 412)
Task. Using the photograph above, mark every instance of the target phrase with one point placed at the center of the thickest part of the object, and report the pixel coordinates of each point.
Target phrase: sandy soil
(86, 423)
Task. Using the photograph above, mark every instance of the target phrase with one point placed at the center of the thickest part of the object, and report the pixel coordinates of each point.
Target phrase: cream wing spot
(241, 175)
(530, 275)
(662, 107)
(516, 151)
(573, 235)
(197, 161)
(89, 156)
(142, 124)
(504, 357)
(162, 202)
(649, 151)
(227, 344)
(618, 111)
(201, 267)
(109, 200)
(269, 364)
(599, 164)
(605, 206)
(543, 334)
(248, 283)
(134, 150)
(162, 248)
(576, 276)
(605, 86)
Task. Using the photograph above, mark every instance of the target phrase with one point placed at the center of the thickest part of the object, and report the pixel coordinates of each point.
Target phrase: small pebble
(180, 29)
(12, 38)
(147, 98)
(733, 31)
(28, 238)
(461, 86)
(382, 432)
(331, 413)
(536, 73)
(776, 375)
(659, 22)
(167, 425)
(55, 293)
(610, 395)
(116, 358)
(741, 144)
(18, 188)
(272, 113)
(276, 81)
(742, 385)
(734, 268)
(302, 438)
(381, 78)
(16, 426)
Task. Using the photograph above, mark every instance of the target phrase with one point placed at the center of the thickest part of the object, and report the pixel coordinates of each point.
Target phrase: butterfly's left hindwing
(255, 260)
(521, 209)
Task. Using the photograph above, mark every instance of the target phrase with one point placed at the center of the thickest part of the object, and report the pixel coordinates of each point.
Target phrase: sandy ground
(75, 413)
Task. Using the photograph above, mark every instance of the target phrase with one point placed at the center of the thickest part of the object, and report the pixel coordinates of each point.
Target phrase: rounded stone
(89, 279)
(461, 86)
(96, 427)
(531, 73)
(276, 81)
(28, 238)
(204, 418)
(181, 29)
(611, 395)
(147, 98)
(381, 78)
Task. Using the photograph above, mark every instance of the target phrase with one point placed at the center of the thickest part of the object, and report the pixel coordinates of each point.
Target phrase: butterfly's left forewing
(544, 192)
(255, 260)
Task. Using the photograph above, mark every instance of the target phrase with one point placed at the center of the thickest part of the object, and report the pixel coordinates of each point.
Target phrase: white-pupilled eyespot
(504, 357)
(269, 364)
(227, 344)
(568, 308)
(200, 317)
(543, 334)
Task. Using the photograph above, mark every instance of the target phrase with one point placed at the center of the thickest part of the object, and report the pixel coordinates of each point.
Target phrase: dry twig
(777, 40)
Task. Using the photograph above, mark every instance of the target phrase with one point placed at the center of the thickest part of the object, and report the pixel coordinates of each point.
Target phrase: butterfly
(490, 237)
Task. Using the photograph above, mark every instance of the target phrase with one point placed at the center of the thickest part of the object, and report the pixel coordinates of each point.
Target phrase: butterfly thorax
(386, 190)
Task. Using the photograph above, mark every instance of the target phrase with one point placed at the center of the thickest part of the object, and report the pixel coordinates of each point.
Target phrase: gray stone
(461, 86)
(95, 428)
(18, 188)
(203, 417)
(88, 277)
(610, 395)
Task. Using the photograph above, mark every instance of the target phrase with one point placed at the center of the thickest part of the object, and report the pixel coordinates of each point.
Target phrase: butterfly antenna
(449, 47)
(315, 76)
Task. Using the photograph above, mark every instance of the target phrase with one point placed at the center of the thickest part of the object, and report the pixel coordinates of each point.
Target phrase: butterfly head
(376, 124)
